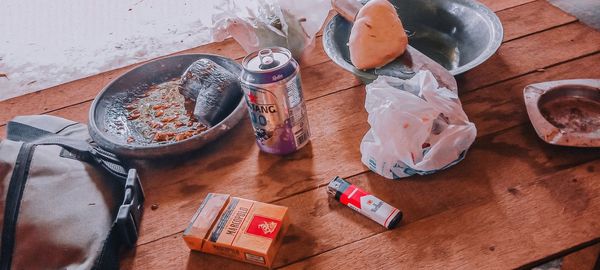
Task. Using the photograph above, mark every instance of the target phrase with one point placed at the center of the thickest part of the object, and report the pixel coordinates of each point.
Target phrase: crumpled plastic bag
(416, 127)
(265, 23)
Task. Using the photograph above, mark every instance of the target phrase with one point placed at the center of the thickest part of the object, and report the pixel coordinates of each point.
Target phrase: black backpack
(66, 203)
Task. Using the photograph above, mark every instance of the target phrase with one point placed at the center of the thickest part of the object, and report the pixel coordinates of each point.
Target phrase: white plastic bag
(416, 127)
(263, 23)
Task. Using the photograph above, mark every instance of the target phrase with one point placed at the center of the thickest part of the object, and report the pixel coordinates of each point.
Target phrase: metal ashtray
(457, 34)
(565, 112)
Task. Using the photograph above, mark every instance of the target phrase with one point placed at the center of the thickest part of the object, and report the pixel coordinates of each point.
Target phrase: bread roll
(377, 36)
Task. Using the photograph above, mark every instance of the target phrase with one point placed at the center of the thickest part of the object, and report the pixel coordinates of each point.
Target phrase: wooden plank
(483, 102)
(326, 78)
(497, 167)
(491, 108)
(82, 90)
(320, 225)
(584, 259)
(537, 51)
(496, 5)
(527, 157)
(509, 231)
(239, 139)
(531, 20)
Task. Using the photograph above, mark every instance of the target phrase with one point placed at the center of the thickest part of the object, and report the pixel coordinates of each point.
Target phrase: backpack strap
(124, 231)
(87, 152)
(13, 203)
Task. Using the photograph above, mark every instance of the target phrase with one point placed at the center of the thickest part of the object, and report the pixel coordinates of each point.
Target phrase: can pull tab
(267, 60)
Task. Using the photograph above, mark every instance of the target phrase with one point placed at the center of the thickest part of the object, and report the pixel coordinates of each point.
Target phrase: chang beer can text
(273, 92)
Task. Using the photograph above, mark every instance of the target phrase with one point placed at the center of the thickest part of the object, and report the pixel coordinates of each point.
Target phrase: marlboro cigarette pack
(236, 228)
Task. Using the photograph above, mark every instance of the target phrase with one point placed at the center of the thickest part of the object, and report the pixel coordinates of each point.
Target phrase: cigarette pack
(236, 228)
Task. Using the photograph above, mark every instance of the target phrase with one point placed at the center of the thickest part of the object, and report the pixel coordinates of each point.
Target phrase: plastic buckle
(130, 212)
(108, 161)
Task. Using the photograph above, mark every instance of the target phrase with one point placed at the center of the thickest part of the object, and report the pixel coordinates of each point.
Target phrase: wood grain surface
(526, 222)
(531, 20)
(510, 114)
(584, 259)
(513, 202)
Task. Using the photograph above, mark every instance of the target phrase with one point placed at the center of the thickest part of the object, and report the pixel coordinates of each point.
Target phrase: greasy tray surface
(565, 112)
(458, 34)
(124, 89)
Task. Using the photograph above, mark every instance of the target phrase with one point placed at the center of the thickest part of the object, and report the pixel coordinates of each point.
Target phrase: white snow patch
(46, 43)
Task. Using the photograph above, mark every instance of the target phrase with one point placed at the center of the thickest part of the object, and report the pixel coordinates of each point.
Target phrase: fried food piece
(213, 88)
(377, 36)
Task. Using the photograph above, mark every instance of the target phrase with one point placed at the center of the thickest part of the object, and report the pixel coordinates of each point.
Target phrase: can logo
(260, 108)
(264, 113)
(264, 226)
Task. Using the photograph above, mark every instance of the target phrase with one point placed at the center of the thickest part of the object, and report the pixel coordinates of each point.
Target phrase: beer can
(364, 203)
(273, 92)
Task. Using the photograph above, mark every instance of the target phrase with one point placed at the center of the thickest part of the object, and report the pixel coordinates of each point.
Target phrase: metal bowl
(458, 34)
(123, 89)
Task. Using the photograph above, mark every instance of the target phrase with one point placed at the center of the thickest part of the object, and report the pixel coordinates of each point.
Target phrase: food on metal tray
(182, 107)
(240, 229)
(377, 36)
(213, 88)
(160, 115)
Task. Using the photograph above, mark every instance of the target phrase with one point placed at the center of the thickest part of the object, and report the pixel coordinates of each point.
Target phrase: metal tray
(131, 83)
(565, 112)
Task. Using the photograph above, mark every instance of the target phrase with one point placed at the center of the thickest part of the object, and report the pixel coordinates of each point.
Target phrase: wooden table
(513, 202)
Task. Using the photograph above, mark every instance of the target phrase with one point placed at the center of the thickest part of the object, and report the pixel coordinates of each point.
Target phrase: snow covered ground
(46, 43)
